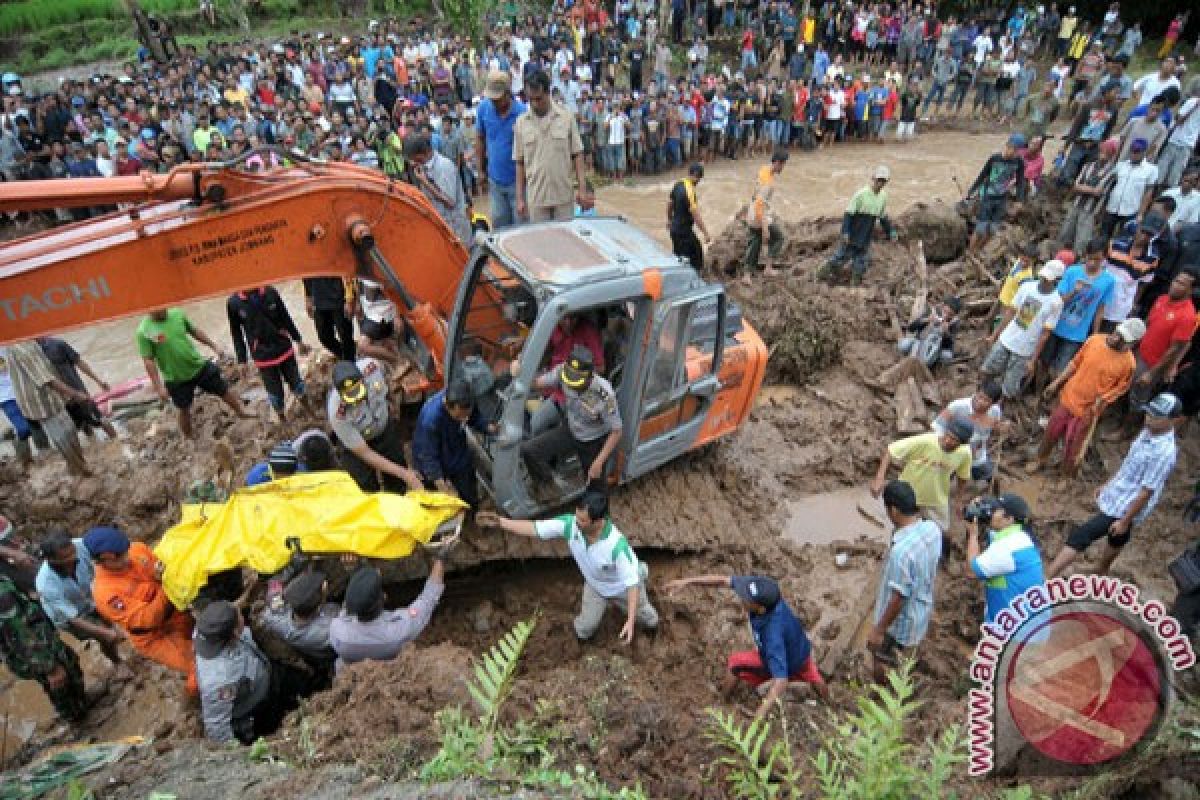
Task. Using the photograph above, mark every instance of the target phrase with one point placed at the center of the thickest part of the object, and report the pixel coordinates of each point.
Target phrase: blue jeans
(503, 201)
(749, 59)
(938, 91)
(20, 425)
(674, 155)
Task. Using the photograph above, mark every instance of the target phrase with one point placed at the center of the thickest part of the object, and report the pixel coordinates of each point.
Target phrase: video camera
(980, 510)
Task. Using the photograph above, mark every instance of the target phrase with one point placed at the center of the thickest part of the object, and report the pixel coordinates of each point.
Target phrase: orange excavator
(686, 367)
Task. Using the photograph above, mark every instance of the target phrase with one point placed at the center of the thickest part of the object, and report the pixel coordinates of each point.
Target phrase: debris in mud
(805, 338)
(387, 704)
(939, 226)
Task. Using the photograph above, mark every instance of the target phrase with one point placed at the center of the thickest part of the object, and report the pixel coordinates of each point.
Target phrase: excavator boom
(209, 230)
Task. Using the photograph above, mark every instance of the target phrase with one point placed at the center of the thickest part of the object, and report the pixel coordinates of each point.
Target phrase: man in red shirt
(1169, 328)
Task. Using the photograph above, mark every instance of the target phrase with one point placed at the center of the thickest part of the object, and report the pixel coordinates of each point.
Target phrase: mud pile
(378, 709)
(636, 714)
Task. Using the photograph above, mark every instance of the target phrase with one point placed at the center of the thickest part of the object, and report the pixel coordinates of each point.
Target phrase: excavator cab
(667, 337)
(684, 366)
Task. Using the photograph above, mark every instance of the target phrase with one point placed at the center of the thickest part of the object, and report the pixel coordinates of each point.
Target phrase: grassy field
(46, 35)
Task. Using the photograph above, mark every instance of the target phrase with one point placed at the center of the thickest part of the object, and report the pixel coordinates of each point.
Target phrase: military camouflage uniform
(31, 649)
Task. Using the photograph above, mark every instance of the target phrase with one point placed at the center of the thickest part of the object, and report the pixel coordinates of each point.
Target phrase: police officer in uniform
(233, 674)
(593, 421)
(299, 617)
(368, 438)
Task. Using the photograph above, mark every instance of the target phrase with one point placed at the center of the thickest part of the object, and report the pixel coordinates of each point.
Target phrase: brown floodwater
(813, 184)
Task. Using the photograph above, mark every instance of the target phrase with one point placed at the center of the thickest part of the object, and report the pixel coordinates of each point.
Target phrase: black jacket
(259, 320)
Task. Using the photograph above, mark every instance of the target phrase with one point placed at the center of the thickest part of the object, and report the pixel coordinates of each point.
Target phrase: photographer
(1010, 563)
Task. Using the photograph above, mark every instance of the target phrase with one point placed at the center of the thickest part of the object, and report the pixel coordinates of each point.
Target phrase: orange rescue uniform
(135, 600)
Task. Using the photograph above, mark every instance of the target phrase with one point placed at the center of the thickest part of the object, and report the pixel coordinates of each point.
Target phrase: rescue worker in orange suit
(128, 592)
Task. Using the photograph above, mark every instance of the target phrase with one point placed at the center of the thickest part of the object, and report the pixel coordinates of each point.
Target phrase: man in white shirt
(1026, 327)
(1133, 190)
(1187, 200)
(983, 45)
(611, 571)
(1151, 86)
(1181, 141)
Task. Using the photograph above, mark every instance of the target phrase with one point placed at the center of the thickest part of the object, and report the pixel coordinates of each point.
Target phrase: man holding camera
(1010, 563)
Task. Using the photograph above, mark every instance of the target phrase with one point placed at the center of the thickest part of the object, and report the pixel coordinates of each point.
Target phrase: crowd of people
(1102, 319)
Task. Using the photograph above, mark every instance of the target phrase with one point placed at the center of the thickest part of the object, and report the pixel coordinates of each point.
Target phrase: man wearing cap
(1002, 176)
(128, 592)
(683, 214)
(1002, 553)
(365, 631)
(783, 653)
(930, 462)
(904, 600)
(369, 439)
(1132, 191)
(176, 369)
(259, 322)
(282, 462)
(64, 587)
(234, 677)
(546, 145)
(31, 649)
(300, 618)
(612, 573)
(1027, 325)
(1131, 494)
(1096, 378)
(593, 420)
(495, 120)
(868, 206)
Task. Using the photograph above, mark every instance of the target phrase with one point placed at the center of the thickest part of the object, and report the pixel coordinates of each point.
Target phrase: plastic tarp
(325, 511)
(61, 767)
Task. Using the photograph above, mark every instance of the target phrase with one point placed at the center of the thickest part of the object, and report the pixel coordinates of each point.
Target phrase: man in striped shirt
(1131, 494)
(905, 597)
(42, 396)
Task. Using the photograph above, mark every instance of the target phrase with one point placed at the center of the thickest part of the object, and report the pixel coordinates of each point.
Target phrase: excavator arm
(207, 230)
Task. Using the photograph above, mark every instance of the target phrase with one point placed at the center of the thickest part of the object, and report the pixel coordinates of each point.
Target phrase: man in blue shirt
(64, 587)
(494, 121)
(1010, 564)
(439, 447)
(782, 654)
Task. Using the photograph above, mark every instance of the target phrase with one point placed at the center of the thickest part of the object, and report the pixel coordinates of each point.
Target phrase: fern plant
(867, 758)
(496, 671)
(751, 763)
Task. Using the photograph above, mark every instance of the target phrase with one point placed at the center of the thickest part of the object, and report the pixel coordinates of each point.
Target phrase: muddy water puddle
(844, 515)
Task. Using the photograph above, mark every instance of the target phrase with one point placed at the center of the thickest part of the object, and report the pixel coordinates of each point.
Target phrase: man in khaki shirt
(545, 143)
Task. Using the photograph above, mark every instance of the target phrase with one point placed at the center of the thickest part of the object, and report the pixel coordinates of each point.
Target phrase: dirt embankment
(636, 714)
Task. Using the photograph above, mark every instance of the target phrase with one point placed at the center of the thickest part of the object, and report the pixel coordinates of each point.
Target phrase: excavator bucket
(324, 512)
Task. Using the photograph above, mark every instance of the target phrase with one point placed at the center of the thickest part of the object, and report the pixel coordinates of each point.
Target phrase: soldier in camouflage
(31, 649)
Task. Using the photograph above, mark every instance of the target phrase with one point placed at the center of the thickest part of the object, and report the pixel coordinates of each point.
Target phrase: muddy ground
(780, 497)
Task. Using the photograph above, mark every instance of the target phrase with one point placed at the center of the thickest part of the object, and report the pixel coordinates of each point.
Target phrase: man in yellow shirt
(761, 220)
(930, 461)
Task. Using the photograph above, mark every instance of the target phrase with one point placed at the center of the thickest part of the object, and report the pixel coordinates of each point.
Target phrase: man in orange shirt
(761, 221)
(1096, 378)
(128, 592)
